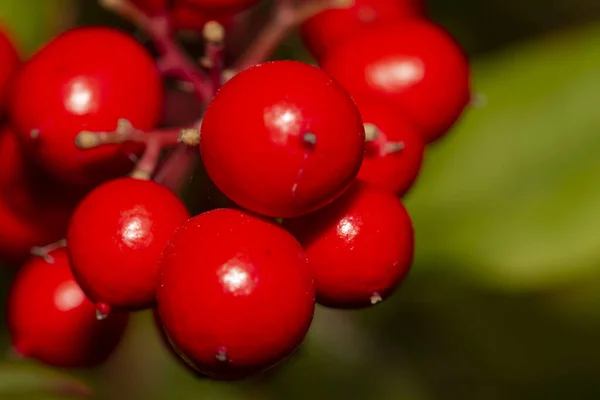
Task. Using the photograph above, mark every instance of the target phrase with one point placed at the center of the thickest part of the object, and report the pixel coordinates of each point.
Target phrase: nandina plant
(309, 163)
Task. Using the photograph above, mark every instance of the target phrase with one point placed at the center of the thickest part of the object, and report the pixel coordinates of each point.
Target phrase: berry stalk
(287, 17)
(174, 61)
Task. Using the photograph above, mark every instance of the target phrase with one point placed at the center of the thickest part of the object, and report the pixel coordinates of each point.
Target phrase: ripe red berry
(282, 139)
(329, 28)
(34, 209)
(182, 16)
(10, 61)
(51, 320)
(69, 86)
(116, 237)
(360, 247)
(167, 343)
(18, 234)
(236, 295)
(394, 151)
(219, 8)
(29, 191)
(417, 66)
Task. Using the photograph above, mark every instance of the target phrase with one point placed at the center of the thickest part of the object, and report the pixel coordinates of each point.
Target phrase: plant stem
(286, 18)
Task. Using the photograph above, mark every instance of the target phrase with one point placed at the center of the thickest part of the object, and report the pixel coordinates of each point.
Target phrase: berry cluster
(313, 162)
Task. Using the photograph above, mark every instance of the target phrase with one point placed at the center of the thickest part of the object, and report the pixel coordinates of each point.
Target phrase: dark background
(503, 301)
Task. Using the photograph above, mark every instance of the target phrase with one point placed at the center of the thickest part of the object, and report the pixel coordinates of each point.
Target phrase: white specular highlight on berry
(68, 296)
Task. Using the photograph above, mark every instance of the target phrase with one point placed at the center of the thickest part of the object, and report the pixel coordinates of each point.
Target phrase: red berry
(219, 8)
(51, 320)
(167, 343)
(116, 237)
(70, 85)
(10, 61)
(360, 247)
(282, 139)
(18, 234)
(29, 191)
(417, 66)
(34, 209)
(327, 29)
(183, 16)
(236, 295)
(393, 158)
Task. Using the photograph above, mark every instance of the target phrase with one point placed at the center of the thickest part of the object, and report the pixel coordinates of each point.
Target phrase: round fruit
(183, 16)
(116, 237)
(29, 191)
(416, 66)
(69, 86)
(18, 234)
(34, 208)
(329, 28)
(167, 343)
(219, 8)
(11, 60)
(394, 151)
(236, 295)
(282, 139)
(51, 320)
(360, 247)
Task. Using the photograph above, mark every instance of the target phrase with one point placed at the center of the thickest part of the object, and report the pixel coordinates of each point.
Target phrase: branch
(286, 18)
(174, 61)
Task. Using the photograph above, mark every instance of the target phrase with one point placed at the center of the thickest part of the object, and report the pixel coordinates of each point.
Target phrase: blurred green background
(503, 301)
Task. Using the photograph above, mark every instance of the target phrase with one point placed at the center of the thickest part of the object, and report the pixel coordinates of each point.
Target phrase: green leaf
(33, 22)
(513, 194)
(28, 379)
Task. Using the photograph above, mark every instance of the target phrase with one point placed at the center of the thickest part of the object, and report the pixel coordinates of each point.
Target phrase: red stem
(286, 18)
(178, 167)
(174, 61)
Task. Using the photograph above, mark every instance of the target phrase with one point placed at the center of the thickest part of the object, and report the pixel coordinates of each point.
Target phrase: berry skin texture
(393, 159)
(69, 86)
(417, 66)
(51, 320)
(11, 60)
(116, 237)
(282, 139)
(172, 350)
(331, 27)
(236, 295)
(360, 247)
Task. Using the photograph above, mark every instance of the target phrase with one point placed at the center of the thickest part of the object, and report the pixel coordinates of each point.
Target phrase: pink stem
(286, 18)
(173, 59)
(178, 167)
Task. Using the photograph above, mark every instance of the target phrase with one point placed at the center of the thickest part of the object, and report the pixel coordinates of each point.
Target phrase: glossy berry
(282, 139)
(116, 237)
(236, 295)
(360, 247)
(51, 320)
(416, 66)
(69, 86)
(219, 8)
(34, 208)
(329, 28)
(10, 60)
(394, 156)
